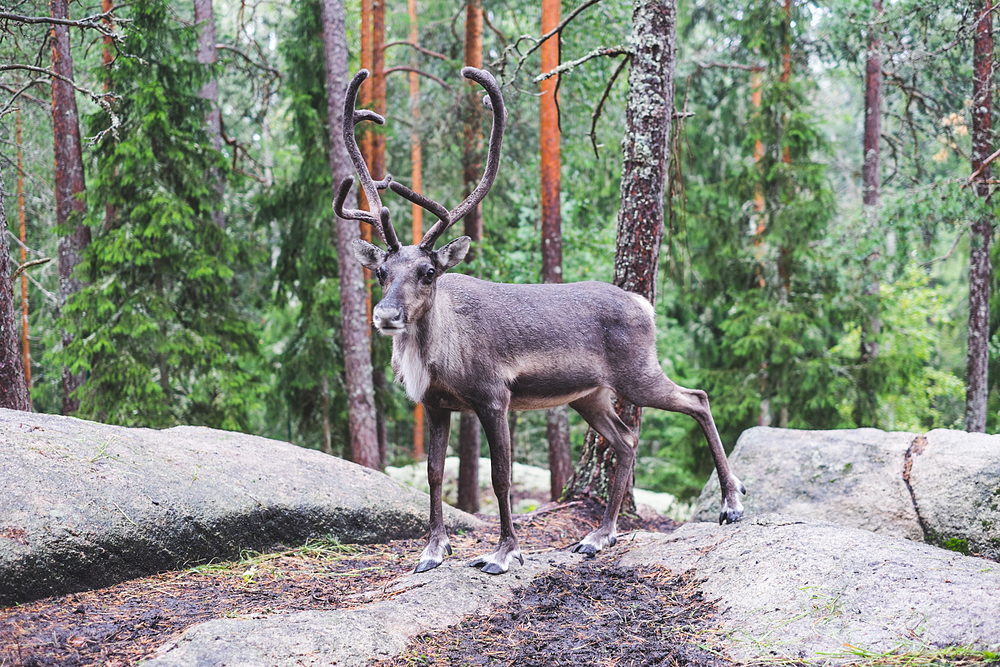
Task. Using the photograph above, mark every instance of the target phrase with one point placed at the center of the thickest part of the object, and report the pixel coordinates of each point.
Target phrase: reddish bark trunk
(13, 390)
(417, 185)
(354, 321)
(469, 430)
(25, 345)
(557, 419)
(204, 17)
(648, 114)
(980, 271)
(473, 138)
(873, 113)
(69, 183)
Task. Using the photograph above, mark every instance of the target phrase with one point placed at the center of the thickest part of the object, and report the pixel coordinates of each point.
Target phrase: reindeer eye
(380, 274)
(428, 276)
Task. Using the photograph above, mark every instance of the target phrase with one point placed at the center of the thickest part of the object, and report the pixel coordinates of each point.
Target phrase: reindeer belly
(557, 386)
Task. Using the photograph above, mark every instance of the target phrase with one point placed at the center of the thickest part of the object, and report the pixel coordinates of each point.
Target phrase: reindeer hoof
(585, 549)
(425, 565)
(493, 568)
(730, 515)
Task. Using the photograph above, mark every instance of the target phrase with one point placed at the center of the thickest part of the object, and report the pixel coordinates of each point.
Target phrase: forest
(173, 255)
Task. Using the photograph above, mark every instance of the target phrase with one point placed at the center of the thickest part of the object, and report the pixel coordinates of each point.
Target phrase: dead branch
(499, 34)
(715, 65)
(515, 46)
(28, 265)
(947, 254)
(600, 105)
(92, 22)
(100, 99)
(21, 93)
(596, 53)
(979, 171)
(246, 57)
(420, 72)
(428, 52)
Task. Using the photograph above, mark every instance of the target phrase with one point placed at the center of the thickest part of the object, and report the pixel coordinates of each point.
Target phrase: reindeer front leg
(437, 547)
(494, 421)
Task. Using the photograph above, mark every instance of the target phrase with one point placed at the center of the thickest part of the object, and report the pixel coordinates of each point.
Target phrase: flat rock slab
(851, 477)
(795, 589)
(429, 601)
(86, 505)
(955, 477)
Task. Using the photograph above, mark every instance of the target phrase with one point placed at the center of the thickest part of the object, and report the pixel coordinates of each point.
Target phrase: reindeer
(459, 343)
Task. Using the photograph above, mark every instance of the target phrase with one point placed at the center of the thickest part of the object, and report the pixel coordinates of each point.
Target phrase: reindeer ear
(370, 256)
(454, 252)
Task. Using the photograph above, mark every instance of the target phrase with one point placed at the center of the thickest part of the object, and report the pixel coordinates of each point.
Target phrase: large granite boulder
(85, 505)
(955, 477)
(791, 589)
(942, 488)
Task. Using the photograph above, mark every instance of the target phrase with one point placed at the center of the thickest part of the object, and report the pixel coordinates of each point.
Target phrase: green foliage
(161, 328)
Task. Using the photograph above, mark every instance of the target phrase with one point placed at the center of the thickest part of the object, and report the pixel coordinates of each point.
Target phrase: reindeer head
(409, 274)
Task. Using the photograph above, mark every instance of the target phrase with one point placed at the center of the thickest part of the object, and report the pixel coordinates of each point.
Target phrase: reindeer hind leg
(656, 390)
(598, 410)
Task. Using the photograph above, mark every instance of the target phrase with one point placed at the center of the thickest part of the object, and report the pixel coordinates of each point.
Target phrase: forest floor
(595, 614)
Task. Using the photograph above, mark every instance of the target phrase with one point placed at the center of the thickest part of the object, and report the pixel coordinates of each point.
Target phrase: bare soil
(594, 614)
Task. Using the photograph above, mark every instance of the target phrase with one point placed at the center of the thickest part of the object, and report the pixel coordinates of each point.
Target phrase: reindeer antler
(380, 221)
(446, 218)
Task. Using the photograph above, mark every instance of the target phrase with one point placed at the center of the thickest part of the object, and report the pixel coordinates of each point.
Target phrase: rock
(955, 477)
(803, 590)
(850, 477)
(429, 601)
(85, 505)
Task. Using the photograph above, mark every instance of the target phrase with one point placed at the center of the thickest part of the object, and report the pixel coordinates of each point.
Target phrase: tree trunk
(417, 185)
(980, 271)
(13, 390)
(354, 321)
(866, 409)
(473, 138)
(204, 17)
(69, 184)
(557, 419)
(560, 457)
(469, 431)
(25, 345)
(468, 463)
(648, 113)
(324, 408)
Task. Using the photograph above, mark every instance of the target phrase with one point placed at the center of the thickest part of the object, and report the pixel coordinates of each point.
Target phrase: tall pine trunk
(25, 343)
(980, 271)
(69, 184)
(417, 185)
(13, 389)
(353, 310)
(204, 17)
(557, 419)
(469, 433)
(866, 409)
(648, 114)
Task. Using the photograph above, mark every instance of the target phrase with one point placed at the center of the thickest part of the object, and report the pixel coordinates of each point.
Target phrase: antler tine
(494, 102)
(380, 221)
